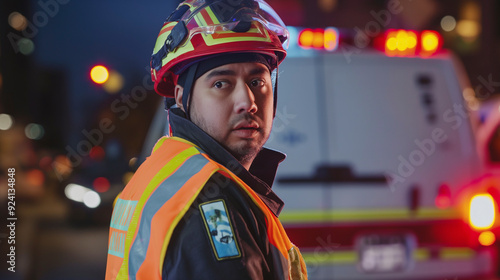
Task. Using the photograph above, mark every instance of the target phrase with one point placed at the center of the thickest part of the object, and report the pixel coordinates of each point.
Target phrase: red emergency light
(410, 42)
(394, 42)
(327, 39)
(431, 42)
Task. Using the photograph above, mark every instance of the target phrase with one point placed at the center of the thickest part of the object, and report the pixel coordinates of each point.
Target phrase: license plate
(385, 253)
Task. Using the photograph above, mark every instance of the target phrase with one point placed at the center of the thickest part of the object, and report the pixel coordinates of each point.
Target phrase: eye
(221, 84)
(257, 83)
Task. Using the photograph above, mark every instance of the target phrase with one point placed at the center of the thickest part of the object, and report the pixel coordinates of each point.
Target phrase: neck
(246, 164)
(245, 160)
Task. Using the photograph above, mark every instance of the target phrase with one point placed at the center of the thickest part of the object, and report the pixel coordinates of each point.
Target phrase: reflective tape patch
(219, 229)
(116, 245)
(122, 214)
(120, 221)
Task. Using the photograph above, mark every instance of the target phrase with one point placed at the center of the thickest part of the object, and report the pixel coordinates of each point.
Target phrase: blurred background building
(74, 138)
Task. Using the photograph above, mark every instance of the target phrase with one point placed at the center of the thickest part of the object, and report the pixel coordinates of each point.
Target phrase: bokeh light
(45, 163)
(101, 184)
(35, 178)
(17, 21)
(401, 43)
(99, 74)
(132, 162)
(75, 192)
(6, 122)
(331, 39)
(443, 198)
(430, 41)
(469, 94)
(34, 131)
(306, 38)
(482, 211)
(26, 46)
(318, 39)
(328, 6)
(97, 153)
(487, 238)
(62, 166)
(80, 193)
(468, 29)
(448, 23)
(391, 44)
(114, 83)
(91, 199)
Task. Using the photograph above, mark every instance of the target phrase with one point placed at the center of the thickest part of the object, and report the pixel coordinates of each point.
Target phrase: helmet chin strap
(188, 88)
(275, 101)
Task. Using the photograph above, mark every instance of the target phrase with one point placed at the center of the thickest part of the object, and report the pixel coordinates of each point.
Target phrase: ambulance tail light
(487, 238)
(482, 213)
(321, 39)
(443, 198)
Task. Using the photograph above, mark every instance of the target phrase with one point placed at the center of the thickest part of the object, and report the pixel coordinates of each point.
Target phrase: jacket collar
(262, 172)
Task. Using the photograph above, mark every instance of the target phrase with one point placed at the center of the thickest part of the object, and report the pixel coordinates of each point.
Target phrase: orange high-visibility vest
(158, 196)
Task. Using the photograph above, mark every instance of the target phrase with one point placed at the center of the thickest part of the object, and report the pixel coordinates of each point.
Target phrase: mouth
(246, 129)
(246, 125)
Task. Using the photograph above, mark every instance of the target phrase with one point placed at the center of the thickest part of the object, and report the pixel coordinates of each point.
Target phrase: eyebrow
(227, 72)
(259, 70)
(215, 73)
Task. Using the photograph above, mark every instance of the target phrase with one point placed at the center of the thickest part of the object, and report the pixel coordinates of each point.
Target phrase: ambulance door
(297, 131)
(400, 118)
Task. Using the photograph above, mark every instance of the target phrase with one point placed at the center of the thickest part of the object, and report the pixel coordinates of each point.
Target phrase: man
(201, 206)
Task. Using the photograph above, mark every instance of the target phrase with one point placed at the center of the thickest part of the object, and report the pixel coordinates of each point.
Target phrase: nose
(244, 99)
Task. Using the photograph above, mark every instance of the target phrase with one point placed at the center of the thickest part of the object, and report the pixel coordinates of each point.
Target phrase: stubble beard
(244, 153)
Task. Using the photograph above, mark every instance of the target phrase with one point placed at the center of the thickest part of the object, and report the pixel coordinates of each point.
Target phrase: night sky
(85, 33)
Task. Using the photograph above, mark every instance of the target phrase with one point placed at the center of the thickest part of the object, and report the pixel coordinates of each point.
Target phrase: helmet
(201, 28)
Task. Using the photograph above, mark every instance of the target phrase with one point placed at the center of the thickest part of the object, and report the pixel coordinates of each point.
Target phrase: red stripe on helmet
(166, 29)
(207, 17)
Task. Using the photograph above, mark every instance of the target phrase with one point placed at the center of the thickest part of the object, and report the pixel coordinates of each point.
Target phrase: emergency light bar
(327, 39)
(394, 42)
(409, 42)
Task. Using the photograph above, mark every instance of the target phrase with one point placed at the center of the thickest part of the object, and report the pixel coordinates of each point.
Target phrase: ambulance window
(494, 146)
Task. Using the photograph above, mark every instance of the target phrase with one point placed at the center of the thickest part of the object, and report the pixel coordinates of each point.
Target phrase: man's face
(233, 103)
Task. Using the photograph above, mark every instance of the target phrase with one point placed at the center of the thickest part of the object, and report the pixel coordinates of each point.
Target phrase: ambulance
(380, 180)
(381, 175)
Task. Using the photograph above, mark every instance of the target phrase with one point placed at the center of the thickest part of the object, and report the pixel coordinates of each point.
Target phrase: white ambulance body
(379, 152)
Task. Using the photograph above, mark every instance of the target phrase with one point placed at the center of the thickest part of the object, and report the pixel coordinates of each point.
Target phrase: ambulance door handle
(335, 174)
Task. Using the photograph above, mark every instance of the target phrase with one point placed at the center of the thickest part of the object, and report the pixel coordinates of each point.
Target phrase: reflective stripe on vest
(158, 196)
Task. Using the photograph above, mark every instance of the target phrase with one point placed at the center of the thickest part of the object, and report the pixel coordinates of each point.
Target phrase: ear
(178, 91)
